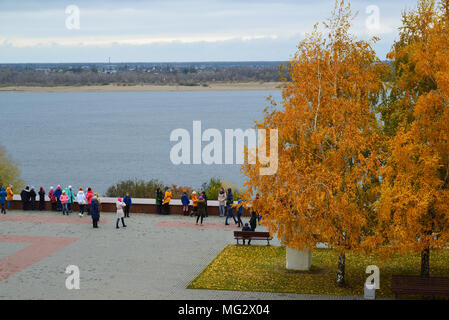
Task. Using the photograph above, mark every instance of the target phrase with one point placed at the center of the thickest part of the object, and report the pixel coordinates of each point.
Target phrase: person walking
(194, 197)
(95, 211)
(221, 202)
(69, 193)
(51, 195)
(25, 196)
(204, 195)
(41, 199)
(33, 196)
(201, 209)
(167, 199)
(64, 201)
(3, 196)
(239, 213)
(120, 214)
(229, 207)
(185, 203)
(89, 197)
(158, 198)
(82, 201)
(129, 202)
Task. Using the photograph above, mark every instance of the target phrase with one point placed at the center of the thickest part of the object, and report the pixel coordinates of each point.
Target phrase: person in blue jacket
(95, 211)
(58, 193)
(3, 195)
(185, 202)
(128, 202)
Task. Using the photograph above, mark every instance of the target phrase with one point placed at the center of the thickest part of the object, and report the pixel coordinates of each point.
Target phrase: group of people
(63, 199)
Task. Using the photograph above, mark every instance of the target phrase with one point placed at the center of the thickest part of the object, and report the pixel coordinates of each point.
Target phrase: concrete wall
(139, 205)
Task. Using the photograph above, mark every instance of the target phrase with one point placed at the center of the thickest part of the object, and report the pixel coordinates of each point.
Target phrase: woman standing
(201, 209)
(51, 195)
(25, 196)
(120, 214)
(57, 194)
(185, 202)
(158, 197)
(167, 199)
(81, 199)
(33, 195)
(89, 196)
(222, 201)
(69, 193)
(3, 196)
(41, 199)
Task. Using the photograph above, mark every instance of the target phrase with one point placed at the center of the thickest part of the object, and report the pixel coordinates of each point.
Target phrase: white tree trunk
(298, 260)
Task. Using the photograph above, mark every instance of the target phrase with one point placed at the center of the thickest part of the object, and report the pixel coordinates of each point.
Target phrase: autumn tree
(9, 171)
(327, 178)
(413, 211)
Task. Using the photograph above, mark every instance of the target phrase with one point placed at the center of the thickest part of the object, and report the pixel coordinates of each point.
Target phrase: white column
(298, 260)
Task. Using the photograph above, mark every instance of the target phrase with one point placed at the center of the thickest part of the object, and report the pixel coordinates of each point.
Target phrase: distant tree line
(10, 76)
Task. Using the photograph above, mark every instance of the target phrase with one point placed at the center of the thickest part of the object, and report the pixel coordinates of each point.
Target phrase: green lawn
(262, 269)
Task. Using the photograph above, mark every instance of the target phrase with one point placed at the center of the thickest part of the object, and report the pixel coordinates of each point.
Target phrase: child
(246, 228)
(3, 196)
(64, 198)
(120, 214)
(167, 198)
(81, 199)
(95, 211)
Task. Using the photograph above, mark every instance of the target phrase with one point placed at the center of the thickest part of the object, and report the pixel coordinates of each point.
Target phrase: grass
(262, 269)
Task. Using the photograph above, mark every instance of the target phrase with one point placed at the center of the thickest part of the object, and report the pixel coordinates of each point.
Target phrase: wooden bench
(252, 235)
(417, 285)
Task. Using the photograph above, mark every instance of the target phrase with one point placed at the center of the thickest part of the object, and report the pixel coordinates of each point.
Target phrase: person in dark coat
(239, 214)
(57, 194)
(129, 202)
(246, 228)
(159, 196)
(33, 196)
(25, 196)
(95, 211)
(41, 199)
(253, 220)
(205, 200)
(229, 209)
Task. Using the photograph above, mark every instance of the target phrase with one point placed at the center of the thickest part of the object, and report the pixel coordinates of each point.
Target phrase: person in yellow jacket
(194, 198)
(9, 196)
(167, 198)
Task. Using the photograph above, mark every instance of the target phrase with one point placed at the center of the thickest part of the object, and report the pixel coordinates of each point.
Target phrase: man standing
(25, 196)
(129, 202)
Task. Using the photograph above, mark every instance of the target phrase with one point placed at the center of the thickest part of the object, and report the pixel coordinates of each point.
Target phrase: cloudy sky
(177, 30)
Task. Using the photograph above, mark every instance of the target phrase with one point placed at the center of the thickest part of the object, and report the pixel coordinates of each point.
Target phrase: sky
(177, 30)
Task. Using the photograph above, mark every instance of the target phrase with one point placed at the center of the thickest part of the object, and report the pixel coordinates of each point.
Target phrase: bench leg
(237, 241)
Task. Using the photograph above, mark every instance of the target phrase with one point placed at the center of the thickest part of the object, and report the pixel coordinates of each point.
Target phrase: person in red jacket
(51, 195)
(89, 196)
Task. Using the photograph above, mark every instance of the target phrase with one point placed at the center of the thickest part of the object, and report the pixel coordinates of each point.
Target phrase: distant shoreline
(244, 86)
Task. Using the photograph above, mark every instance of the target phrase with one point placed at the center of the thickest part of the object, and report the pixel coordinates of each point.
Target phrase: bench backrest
(251, 234)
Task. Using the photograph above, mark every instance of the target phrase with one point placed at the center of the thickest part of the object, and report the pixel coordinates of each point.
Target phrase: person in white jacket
(82, 201)
(120, 213)
(222, 202)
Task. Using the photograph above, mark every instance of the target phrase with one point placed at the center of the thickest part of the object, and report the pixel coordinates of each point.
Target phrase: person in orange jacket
(167, 198)
(194, 197)
(9, 195)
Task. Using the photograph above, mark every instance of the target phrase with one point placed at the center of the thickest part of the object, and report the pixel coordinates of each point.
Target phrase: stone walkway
(155, 257)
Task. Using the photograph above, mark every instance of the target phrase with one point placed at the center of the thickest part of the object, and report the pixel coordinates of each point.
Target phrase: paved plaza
(155, 257)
